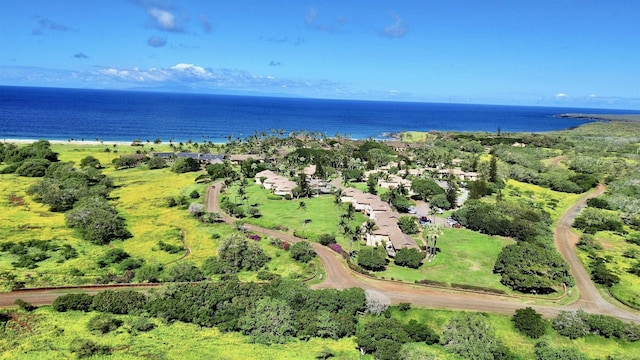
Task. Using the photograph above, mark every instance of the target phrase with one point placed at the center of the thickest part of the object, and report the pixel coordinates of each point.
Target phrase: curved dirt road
(339, 276)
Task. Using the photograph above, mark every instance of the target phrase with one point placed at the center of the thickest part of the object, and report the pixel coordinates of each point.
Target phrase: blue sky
(582, 53)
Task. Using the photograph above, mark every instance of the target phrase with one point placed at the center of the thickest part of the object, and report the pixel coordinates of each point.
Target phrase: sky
(576, 53)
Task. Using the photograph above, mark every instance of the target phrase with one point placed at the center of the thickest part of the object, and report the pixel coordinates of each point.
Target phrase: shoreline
(601, 117)
(65, 142)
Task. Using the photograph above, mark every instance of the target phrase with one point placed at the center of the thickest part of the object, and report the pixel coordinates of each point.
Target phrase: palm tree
(369, 227)
(431, 233)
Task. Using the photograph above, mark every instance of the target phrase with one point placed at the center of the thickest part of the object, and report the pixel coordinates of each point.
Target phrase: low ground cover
(141, 198)
(464, 257)
(318, 215)
(46, 333)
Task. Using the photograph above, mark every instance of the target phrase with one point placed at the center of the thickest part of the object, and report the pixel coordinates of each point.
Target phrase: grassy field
(140, 198)
(465, 257)
(553, 202)
(323, 213)
(628, 289)
(48, 334)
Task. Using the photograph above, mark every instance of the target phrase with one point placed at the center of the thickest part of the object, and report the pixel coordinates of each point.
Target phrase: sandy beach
(70, 142)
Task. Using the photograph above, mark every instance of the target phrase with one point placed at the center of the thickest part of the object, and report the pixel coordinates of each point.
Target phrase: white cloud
(164, 19)
(561, 96)
(395, 30)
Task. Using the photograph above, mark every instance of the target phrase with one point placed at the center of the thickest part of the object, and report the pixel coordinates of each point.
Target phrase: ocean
(109, 115)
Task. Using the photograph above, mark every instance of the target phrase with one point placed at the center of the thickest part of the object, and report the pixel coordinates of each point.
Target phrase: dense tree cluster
(529, 322)
(512, 219)
(31, 160)
(579, 324)
(97, 221)
(470, 336)
(532, 268)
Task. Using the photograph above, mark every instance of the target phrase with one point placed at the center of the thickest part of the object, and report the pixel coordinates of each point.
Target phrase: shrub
(81, 302)
(529, 322)
(142, 324)
(118, 302)
(409, 258)
(326, 239)
(26, 306)
(336, 247)
(86, 348)
(404, 306)
(408, 224)
(374, 259)
(171, 249)
(571, 324)
(302, 251)
(194, 194)
(103, 323)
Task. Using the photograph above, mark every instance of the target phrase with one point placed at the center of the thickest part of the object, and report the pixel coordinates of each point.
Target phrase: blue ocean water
(63, 114)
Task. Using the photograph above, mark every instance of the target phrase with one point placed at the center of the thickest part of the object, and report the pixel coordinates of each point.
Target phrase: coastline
(601, 117)
(63, 142)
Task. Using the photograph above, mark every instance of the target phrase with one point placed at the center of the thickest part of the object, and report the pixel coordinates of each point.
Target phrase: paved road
(339, 276)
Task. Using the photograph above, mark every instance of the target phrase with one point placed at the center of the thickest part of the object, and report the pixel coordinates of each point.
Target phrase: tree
(420, 332)
(408, 224)
(409, 257)
(184, 272)
(33, 168)
(376, 302)
(239, 254)
(470, 336)
(451, 193)
(426, 188)
(493, 169)
(544, 351)
(196, 209)
(90, 161)
(97, 221)
(184, 165)
(571, 324)
(529, 322)
(372, 184)
(440, 201)
(302, 251)
(382, 337)
(531, 268)
(269, 322)
(80, 302)
(431, 232)
(374, 259)
(156, 162)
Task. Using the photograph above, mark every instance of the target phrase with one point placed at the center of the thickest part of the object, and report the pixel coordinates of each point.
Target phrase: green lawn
(465, 257)
(323, 214)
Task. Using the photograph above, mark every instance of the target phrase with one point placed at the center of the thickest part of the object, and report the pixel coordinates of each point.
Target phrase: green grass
(45, 340)
(140, 198)
(553, 202)
(323, 213)
(627, 290)
(466, 257)
(592, 346)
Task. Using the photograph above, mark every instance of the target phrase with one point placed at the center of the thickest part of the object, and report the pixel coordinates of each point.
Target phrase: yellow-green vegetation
(593, 346)
(465, 257)
(47, 334)
(140, 198)
(553, 202)
(614, 247)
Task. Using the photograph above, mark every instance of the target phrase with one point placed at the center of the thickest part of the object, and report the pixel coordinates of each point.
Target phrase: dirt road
(339, 276)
